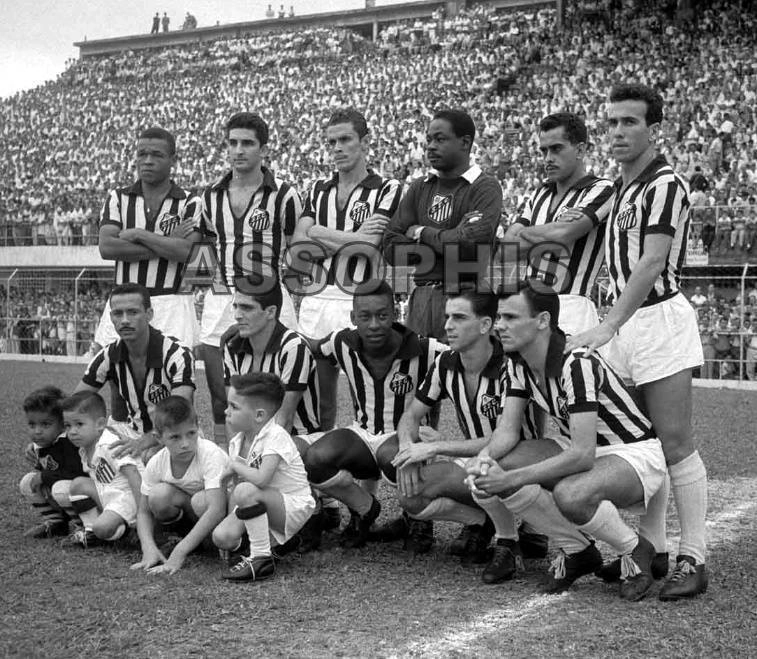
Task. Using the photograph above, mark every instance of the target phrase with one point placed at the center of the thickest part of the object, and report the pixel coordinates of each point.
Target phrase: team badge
(104, 472)
(490, 406)
(168, 222)
(562, 405)
(255, 461)
(360, 212)
(401, 384)
(626, 219)
(157, 392)
(259, 220)
(48, 463)
(441, 208)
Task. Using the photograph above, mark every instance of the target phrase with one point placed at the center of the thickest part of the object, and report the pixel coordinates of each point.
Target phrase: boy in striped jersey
(562, 226)
(606, 456)
(650, 334)
(383, 362)
(249, 215)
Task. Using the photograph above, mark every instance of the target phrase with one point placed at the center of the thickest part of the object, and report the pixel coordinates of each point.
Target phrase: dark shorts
(425, 314)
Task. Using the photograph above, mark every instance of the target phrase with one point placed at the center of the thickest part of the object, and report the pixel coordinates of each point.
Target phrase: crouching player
(106, 499)
(609, 454)
(55, 460)
(271, 496)
(181, 487)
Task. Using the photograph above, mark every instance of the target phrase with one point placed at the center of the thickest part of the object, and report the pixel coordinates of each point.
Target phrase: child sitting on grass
(106, 499)
(55, 460)
(271, 495)
(181, 486)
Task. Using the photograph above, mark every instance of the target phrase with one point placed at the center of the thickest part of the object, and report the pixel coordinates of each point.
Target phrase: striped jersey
(125, 209)
(380, 402)
(656, 201)
(105, 469)
(576, 383)
(288, 356)
(170, 364)
(373, 195)
(259, 234)
(574, 270)
(477, 414)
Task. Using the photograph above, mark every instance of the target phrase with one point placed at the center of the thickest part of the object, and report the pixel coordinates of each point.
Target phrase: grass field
(375, 602)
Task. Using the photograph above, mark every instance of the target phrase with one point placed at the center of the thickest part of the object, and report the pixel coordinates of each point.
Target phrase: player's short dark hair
(572, 124)
(89, 403)
(637, 92)
(374, 287)
(129, 288)
(172, 411)
(249, 121)
(45, 399)
(349, 116)
(158, 133)
(461, 122)
(539, 299)
(263, 386)
(264, 289)
(482, 299)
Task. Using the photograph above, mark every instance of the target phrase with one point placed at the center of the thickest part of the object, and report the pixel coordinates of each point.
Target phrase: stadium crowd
(497, 66)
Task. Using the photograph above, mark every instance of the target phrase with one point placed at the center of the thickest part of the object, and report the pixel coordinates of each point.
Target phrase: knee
(199, 503)
(80, 485)
(245, 494)
(30, 484)
(161, 501)
(319, 463)
(413, 505)
(105, 527)
(60, 492)
(224, 537)
(384, 456)
(571, 500)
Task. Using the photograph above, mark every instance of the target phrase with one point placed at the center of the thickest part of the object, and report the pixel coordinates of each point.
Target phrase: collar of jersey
(647, 173)
(493, 366)
(409, 347)
(175, 192)
(269, 180)
(470, 174)
(239, 344)
(555, 358)
(154, 357)
(581, 184)
(373, 181)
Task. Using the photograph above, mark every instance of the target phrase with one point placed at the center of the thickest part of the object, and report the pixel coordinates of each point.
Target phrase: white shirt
(204, 472)
(105, 469)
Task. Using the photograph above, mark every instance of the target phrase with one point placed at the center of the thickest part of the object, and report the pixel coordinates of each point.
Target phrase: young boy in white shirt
(271, 497)
(182, 483)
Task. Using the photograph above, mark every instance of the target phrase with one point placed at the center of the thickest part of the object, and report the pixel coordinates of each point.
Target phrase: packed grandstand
(63, 145)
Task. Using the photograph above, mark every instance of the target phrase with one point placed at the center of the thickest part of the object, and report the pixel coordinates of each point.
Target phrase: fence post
(76, 309)
(9, 330)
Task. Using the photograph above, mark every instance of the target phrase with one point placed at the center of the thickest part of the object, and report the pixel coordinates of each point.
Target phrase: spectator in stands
(697, 299)
(165, 22)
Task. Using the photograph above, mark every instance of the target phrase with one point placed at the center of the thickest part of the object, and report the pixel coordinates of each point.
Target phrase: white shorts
(656, 342)
(327, 312)
(218, 315)
(577, 314)
(312, 437)
(174, 315)
(120, 502)
(647, 460)
(373, 442)
(298, 509)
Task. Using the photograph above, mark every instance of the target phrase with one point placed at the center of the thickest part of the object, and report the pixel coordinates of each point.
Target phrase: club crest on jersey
(48, 463)
(168, 222)
(562, 405)
(490, 407)
(157, 392)
(401, 384)
(255, 461)
(104, 472)
(626, 219)
(441, 208)
(360, 212)
(259, 220)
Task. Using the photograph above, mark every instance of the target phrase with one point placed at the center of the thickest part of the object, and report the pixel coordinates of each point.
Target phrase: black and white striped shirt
(380, 402)
(170, 364)
(578, 383)
(574, 270)
(288, 356)
(373, 195)
(125, 209)
(477, 415)
(656, 201)
(259, 234)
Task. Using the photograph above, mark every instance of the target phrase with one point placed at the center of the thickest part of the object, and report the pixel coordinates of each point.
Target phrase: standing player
(250, 216)
(564, 220)
(340, 231)
(651, 330)
(446, 223)
(383, 362)
(148, 229)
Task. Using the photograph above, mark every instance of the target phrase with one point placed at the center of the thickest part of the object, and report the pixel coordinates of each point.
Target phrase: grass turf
(374, 602)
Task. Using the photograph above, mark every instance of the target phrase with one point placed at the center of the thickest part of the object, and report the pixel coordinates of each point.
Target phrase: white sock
(689, 483)
(260, 539)
(535, 505)
(501, 517)
(444, 508)
(652, 523)
(607, 525)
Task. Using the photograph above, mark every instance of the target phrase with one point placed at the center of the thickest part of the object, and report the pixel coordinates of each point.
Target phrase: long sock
(49, 513)
(652, 523)
(444, 508)
(535, 505)
(255, 520)
(607, 525)
(86, 508)
(688, 479)
(501, 517)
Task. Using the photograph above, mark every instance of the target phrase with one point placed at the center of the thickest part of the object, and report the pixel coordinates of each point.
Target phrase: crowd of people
(509, 69)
